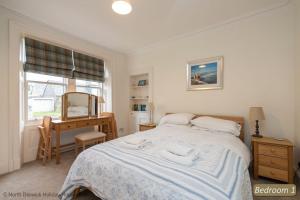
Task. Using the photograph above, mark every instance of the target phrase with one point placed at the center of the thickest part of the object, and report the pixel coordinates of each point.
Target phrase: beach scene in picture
(202, 74)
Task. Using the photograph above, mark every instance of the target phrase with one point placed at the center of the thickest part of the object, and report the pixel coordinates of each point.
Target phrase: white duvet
(112, 171)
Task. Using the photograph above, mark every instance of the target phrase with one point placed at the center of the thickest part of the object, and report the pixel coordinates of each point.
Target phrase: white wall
(258, 71)
(297, 133)
(4, 155)
(13, 26)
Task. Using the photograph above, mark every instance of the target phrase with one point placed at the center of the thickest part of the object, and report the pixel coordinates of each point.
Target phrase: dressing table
(61, 126)
(81, 119)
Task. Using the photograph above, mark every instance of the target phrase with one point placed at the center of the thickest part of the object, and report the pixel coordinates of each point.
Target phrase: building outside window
(43, 95)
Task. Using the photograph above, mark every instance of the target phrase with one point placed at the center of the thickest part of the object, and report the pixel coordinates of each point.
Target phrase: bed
(112, 171)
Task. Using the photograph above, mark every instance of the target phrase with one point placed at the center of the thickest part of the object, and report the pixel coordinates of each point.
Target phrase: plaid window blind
(47, 59)
(44, 58)
(88, 68)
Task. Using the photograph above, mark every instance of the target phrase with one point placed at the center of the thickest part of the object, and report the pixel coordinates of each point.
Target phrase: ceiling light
(121, 7)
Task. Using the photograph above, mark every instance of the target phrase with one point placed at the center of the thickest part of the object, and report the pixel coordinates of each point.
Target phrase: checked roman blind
(48, 59)
(88, 68)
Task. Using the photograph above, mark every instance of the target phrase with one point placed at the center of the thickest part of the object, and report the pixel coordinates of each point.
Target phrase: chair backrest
(47, 125)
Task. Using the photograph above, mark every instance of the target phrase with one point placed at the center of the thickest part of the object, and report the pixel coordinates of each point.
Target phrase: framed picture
(205, 74)
(142, 82)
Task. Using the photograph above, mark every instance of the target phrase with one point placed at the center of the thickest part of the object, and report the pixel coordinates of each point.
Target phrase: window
(43, 95)
(89, 87)
(43, 92)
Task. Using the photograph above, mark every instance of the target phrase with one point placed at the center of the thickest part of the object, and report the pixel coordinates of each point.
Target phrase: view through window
(90, 87)
(44, 94)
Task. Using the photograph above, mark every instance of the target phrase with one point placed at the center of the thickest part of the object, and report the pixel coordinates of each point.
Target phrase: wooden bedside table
(273, 159)
(145, 127)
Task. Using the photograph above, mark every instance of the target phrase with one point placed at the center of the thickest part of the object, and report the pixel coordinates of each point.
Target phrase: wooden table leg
(57, 130)
(50, 147)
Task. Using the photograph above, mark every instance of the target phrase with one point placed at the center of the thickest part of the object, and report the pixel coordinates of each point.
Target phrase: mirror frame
(91, 104)
(64, 108)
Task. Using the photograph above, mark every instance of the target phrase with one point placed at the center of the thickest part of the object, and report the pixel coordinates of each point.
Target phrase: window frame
(67, 85)
(26, 88)
(100, 87)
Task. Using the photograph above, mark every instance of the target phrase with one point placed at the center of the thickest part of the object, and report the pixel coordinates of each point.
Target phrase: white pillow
(177, 118)
(215, 124)
(198, 128)
(178, 125)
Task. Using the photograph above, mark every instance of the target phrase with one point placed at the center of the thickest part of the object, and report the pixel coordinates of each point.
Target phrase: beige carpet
(46, 181)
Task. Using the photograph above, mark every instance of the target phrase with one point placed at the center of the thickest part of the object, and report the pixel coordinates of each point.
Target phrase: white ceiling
(151, 21)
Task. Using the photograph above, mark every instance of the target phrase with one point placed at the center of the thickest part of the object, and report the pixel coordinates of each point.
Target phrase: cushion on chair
(90, 135)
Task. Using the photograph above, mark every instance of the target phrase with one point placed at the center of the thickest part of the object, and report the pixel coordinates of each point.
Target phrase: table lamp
(151, 109)
(256, 114)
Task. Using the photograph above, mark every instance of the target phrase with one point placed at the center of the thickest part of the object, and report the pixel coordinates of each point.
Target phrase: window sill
(37, 122)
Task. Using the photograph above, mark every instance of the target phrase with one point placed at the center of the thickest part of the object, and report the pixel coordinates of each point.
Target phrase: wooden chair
(44, 149)
(110, 131)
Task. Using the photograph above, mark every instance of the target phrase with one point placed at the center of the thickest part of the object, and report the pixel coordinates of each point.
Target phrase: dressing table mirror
(79, 105)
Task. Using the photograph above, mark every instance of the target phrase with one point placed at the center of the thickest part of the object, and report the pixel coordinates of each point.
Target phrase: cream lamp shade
(100, 99)
(256, 113)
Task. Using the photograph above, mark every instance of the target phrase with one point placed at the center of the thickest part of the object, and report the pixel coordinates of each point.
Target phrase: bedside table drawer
(273, 173)
(272, 150)
(274, 162)
(145, 128)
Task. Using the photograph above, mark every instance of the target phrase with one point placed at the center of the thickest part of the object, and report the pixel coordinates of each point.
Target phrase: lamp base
(257, 135)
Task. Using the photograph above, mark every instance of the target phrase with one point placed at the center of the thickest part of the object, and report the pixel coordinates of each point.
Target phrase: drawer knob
(69, 126)
(272, 150)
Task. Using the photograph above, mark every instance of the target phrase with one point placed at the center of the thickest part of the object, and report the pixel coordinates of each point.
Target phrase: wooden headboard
(237, 119)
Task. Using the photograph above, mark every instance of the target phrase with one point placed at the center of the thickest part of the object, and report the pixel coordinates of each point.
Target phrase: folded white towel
(183, 160)
(134, 146)
(134, 140)
(179, 149)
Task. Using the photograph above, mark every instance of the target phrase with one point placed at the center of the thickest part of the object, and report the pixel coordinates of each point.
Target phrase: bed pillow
(215, 124)
(177, 118)
(178, 125)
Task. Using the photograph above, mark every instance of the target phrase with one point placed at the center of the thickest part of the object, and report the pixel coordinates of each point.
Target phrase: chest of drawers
(273, 159)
